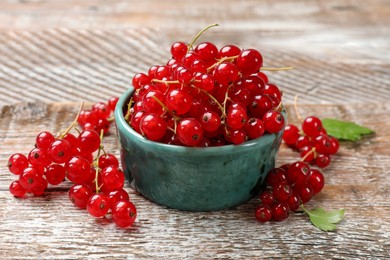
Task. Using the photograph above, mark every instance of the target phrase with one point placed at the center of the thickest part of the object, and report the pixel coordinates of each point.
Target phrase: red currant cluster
(313, 143)
(98, 117)
(288, 187)
(97, 181)
(205, 96)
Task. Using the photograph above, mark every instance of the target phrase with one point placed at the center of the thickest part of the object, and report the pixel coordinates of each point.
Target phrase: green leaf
(325, 220)
(344, 130)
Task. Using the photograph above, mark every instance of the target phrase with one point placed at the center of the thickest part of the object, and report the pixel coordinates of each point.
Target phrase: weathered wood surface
(54, 54)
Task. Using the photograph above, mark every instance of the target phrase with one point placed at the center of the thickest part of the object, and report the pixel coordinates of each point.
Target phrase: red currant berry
(60, 151)
(79, 194)
(322, 160)
(263, 213)
(254, 128)
(189, 131)
(124, 214)
(249, 61)
(55, 174)
(273, 121)
(291, 134)
(107, 159)
(17, 189)
(279, 211)
(312, 126)
(178, 50)
(236, 117)
(276, 176)
(77, 170)
(153, 127)
(282, 192)
(298, 173)
(316, 181)
(88, 141)
(116, 196)
(44, 140)
(294, 201)
(17, 163)
(98, 205)
(229, 51)
(112, 179)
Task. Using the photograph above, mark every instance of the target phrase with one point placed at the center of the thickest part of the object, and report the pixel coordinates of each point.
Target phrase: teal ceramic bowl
(190, 178)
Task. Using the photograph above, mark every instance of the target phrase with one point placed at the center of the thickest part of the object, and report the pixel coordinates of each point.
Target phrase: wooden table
(54, 54)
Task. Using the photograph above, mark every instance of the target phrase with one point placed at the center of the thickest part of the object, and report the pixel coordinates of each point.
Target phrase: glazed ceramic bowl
(191, 178)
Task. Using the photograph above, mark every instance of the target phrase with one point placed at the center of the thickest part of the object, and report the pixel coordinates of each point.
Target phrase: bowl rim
(121, 123)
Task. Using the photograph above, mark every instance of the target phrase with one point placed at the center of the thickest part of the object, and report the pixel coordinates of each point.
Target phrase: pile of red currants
(97, 179)
(205, 96)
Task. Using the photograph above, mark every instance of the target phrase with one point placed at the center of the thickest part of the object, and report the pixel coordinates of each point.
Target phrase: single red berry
(249, 61)
(312, 126)
(55, 174)
(17, 189)
(189, 131)
(112, 101)
(107, 159)
(178, 50)
(267, 197)
(112, 178)
(298, 172)
(276, 176)
(263, 213)
(279, 211)
(116, 196)
(88, 141)
(30, 178)
(291, 134)
(124, 214)
(38, 157)
(254, 128)
(322, 160)
(316, 181)
(17, 163)
(236, 117)
(98, 205)
(60, 151)
(229, 51)
(44, 140)
(294, 201)
(77, 170)
(334, 145)
(153, 127)
(79, 194)
(273, 121)
(282, 192)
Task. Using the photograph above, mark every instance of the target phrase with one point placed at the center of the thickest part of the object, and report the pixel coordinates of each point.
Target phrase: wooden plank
(51, 227)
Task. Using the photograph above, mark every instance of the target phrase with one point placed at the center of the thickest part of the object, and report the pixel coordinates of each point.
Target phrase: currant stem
(220, 61)
(296, 108)
(165, 81)
(276, 69)
(74, 123)
(313, 150)
(199, 34)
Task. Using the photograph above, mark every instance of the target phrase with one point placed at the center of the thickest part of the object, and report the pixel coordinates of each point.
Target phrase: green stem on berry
(276, 69)
(74, 123)
(220, 61)
(199, 34)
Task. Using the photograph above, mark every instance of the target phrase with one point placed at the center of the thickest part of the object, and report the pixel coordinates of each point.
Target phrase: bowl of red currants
(201, 132)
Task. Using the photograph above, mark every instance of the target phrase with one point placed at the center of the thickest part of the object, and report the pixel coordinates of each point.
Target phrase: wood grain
(50, 226)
